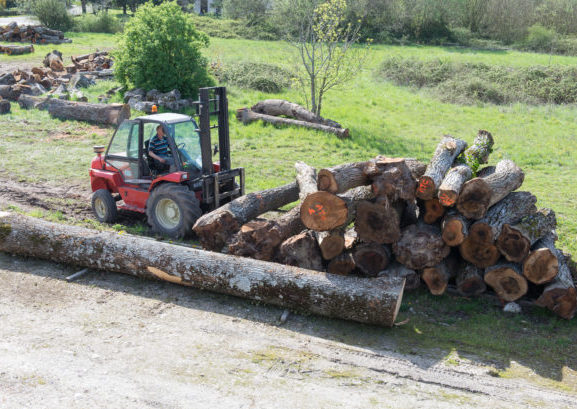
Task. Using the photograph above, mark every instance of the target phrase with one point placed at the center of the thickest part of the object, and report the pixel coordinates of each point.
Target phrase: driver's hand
(162, 160)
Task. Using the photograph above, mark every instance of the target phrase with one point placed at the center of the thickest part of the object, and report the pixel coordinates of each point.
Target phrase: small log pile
(281, 112)
(32, 34)
(448, 224)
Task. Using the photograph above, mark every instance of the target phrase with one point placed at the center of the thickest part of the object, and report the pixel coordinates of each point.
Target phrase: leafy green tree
(161, 49)
(52, 14)
(251, 10)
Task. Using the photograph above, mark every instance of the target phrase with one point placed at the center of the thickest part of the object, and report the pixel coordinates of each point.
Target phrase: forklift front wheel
(104, 206)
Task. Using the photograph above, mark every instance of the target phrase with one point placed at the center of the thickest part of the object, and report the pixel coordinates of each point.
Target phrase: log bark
(53, 60)
(394, 180)
(416, 167)
(560, 295)
(322, 211)
(377, 222)
(470, 281)
(302, 251)
(339, 179)
(479, 194)
(343, 264)
(306, 177)
(214, 229)
(506, 280)
(246, 116)
(542, 264)
(29, 102)
(398, 271)
(420, 246)
(17, 49)
(437, 278)
(455, 228)
(331, 243)
(515, 240)
(9, 92)
(432, 210)
(447, 150)
(374, 301)
(278, 107)
(372, 258)
(453, 184)
(479, 246)
(478, 153)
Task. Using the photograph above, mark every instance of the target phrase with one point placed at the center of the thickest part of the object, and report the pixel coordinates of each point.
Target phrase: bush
(52, 14)
(540, 38)
(225, 28)
(257, 76)
(161, 49)
(99, 23)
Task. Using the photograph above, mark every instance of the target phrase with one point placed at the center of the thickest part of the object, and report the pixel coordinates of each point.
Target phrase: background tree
(161, 49)
(251, 10)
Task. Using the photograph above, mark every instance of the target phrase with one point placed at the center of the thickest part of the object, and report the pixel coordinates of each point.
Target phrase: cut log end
(561, 301)
(326, 181)
(513, 245)
(372, 259)
(377, 223)
(332, 245)
(322, 211)
(478, 248)
(453, 234)
(474, 200)
(435, 280)
(426, 188)
(541, 266)
(343, 264)
(447, 198)
(433, 211)
(507, 283)
(215, 235)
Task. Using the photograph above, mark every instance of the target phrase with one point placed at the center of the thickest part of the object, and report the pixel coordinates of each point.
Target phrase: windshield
(187, 140)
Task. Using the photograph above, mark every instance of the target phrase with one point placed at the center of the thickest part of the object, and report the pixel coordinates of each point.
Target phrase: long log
(506, 280)
(515, 240)
(372, 258)
(470, 281)
(377, 222)
(560, 295)
(397, 270)
(542, 264)
(246, 116)
(302, 251)
(445, 153)
(455, 228)
(479, 246)
(339, 179)
(17, 49)
(214, 229)
(278, 107)
(453, 184)
(420, 246)
(479, 194)
(374, 301)
(306, 177)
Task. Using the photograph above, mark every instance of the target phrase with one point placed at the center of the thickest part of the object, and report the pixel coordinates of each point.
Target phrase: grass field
(383, 119)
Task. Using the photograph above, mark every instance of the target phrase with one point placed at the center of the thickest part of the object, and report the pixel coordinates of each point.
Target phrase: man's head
(160, 131)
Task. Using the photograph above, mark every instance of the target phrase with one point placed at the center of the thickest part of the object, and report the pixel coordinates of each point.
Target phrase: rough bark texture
(343, 264)
(453, 184)
(420, 246)
(394, 180)
(470, 281)
(9, 92)
(515, 240)
(302, 251)
(214, 229)
(455, 228)
(377, 222)
(478, 153)
(416, 167)
(447, 150)
(507, 281)
(437, 278)
(306, 177)
(322, 211)
(4, 107)
(398, 271)
(560, 295)
(339, 179)
(246, 116)
(479, 246)
(432, 210)
(331, 243)
(372, 258)
(479, 194)
(374, 301)
(278, 107)
(542, 265)
(53, 60)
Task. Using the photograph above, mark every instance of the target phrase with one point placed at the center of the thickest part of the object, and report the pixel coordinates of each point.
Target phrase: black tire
(104, 206)
(172, 210)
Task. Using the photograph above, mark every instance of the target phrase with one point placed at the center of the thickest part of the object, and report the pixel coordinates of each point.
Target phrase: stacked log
(34, 34)
(397, 217)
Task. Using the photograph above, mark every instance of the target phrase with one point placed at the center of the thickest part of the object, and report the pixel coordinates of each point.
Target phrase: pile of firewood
(397, 217)
(32, 34)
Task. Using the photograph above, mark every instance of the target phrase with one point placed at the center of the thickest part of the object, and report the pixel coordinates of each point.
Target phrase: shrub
(52, 14)
(99, 23)
(225, 28)
(257, 76)
(540, 38)
(161, 49)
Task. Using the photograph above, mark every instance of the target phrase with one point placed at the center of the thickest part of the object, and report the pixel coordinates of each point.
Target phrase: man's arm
(155, 156)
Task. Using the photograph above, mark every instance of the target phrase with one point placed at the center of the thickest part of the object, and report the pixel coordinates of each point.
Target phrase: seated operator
(158, 148)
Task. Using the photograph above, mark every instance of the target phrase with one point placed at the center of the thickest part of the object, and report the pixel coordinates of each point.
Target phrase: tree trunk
(394, 180)
(432, 210)
(447, 150)
(278, 107)
(17, 49)
(372, 258)
(479, 194)
(420, 246)
(479, 246)
(377, 222)
(560, 296)
(455, 228)
(453, 184)
(214, 229)
(322, 211)
(507, 281)
(515, 240)
(302, 251)
(331, 243)
(374, 301)
(542, 265)
(9, 93)
(470, 281)
(342, 265)
(437, 278)
(397, 271)
(339, 179)
(246, 116)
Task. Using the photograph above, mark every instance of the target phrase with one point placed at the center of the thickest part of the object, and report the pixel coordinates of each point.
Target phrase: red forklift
(124, 176)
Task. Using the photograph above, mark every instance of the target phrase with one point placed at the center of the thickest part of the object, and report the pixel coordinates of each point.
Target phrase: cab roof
(169, 118)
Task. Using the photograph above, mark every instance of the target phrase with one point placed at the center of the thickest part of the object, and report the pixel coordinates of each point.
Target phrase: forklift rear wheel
(104, 206)
(172, 210)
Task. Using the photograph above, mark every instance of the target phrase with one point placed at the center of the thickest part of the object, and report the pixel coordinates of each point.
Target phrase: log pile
(32, 34)
(448, 224)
